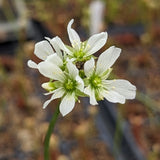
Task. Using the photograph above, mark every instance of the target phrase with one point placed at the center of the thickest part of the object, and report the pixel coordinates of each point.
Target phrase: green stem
(147, 101)
(117, 135)
(49, 133)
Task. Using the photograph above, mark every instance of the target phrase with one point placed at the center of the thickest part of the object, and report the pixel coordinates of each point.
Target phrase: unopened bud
(49, 86)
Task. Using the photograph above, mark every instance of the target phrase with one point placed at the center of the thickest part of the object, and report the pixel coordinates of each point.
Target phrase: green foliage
(128, 12)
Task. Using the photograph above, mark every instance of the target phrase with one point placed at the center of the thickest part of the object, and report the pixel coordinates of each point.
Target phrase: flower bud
(49, 86)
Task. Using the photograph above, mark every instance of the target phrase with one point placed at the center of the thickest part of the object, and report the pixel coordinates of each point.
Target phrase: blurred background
(105, 132)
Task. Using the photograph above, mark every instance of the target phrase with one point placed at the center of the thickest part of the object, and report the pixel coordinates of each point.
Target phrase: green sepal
(81, 73)
(106, 74)
(70, 48)
(57, 84)
(86, 81)
(98, 96)
(80, 94)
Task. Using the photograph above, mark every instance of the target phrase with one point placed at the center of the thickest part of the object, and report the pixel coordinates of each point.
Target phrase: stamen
(75, 44)
(96, 81)
(83, 46)
(70, 85)
(88, 46)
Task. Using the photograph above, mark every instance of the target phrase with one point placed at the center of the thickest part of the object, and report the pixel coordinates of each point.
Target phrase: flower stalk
(49, 133)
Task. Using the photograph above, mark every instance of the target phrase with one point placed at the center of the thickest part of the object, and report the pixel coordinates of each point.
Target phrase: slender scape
(49, 133)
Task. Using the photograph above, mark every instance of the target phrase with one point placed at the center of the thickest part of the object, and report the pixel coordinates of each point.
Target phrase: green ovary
(79, 54)
(70, 85)
(95, 81)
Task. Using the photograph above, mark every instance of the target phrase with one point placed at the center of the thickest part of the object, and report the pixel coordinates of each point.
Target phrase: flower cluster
(73, 72)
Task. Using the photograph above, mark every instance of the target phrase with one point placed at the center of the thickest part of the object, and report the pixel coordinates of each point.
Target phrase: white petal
(73, 36)
(80, 83)
(48, 93)
(43, 49)
(58, 93)
(95, 43)
(91, 94)
(107, 59)
(48, 39)
(55, 59)
(61, 45)
(32, 64)
(72, 59)
(67, 104)
(123, 87)
(114, 97)
(89, 67)
(73, 71)
(51, 71)
(54, 42)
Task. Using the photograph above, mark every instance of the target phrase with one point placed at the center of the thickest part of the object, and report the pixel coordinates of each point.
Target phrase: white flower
(66, 86)
(98, 87)
(80, 51)
(72, 71)
(42, 50)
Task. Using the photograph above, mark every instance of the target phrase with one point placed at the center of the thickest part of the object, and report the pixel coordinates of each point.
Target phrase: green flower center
(95, 81)
(70, 85)
(79, 54)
